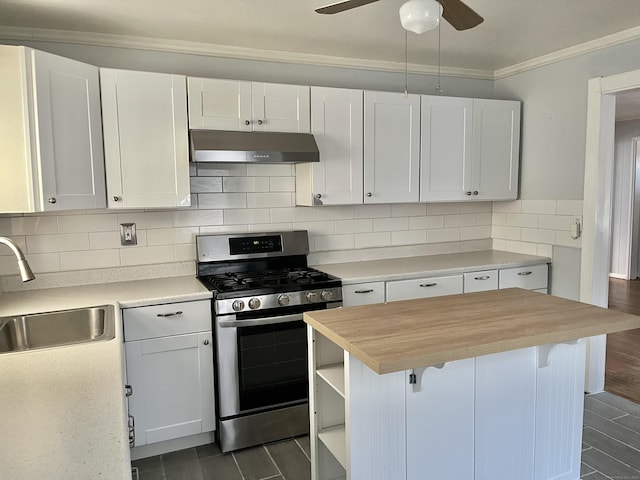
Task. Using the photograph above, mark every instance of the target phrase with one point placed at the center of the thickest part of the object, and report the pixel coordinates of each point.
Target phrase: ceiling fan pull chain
(438, 86)
(406, 65)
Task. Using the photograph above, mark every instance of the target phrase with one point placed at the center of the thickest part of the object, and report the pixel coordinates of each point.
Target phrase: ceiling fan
(457, 13)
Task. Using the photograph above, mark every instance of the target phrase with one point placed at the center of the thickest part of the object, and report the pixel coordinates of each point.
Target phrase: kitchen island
(485, 385)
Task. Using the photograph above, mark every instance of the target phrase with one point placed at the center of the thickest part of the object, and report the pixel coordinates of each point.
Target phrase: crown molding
(225, 51)
(242, 53)
(570, 52)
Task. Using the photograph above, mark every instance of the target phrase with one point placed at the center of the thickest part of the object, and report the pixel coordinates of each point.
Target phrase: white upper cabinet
(145, 139)
(391, 147)
(336, 123)
(470, 149)
(446, 148)
(496, 149)
(50, 132)
(248, 106)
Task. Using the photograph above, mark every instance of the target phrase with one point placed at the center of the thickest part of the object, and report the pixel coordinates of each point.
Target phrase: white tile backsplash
(236, 198)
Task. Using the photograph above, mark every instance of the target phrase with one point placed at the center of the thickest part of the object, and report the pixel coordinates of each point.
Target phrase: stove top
(234, 284)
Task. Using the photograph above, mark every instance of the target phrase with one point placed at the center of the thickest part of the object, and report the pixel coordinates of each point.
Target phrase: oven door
(262, 362)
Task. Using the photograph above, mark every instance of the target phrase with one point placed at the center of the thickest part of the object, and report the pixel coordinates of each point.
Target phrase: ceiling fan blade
(343, 6)
(459, 15)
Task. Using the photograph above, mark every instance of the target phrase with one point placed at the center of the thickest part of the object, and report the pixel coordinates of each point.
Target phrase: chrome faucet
(25, 270)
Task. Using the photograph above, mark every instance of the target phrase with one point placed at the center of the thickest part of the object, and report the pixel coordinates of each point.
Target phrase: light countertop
(409, 334)
(430, 265)
(63, 409)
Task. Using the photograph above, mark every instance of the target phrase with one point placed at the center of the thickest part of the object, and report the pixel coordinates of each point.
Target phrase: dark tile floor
(286, 460)
(611, 451)
(611, 438)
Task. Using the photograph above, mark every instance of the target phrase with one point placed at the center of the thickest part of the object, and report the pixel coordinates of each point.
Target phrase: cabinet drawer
(480, 281)
(423, 287)
(362, 294)
(530, 278)
(167, 319)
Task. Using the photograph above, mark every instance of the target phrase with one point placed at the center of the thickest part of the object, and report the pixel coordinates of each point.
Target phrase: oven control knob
(283, 300)
(254, 303)
(326, 295)
(312, 296)
(237, 305)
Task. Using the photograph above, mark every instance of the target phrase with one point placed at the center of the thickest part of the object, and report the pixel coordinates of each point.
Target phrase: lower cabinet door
(172, 380)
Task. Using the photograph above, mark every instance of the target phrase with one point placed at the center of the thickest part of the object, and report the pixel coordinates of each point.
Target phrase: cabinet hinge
(412, 379)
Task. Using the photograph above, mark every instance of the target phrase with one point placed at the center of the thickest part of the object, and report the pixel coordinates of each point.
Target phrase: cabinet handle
(52, 200)
(475, 192)
(369, 194)
(525, 273)
(116, 198)
(485, 277)
(467, 193)
(172, 314)
(425, 285)
(247, 122)
(364, 291)
(260, 122)
(206, 342)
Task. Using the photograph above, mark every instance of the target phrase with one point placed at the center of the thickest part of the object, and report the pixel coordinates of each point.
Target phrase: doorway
(598, 202)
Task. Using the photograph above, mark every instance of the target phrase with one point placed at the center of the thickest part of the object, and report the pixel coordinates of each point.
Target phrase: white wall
(621, 228)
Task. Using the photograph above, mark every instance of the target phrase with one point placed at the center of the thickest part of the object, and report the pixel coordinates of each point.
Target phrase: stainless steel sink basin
(53, 329)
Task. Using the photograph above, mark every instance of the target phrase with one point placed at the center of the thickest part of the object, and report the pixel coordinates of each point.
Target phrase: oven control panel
(261, 302)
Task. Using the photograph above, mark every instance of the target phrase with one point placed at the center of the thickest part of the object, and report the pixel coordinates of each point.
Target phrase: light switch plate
(128, 234)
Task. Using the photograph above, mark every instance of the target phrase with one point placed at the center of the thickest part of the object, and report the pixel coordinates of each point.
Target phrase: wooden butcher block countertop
(395, 336)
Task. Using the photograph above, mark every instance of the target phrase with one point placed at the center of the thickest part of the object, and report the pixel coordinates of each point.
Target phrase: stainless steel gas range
(261, 286)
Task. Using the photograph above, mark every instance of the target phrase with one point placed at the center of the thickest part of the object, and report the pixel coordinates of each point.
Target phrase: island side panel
(440, 422)
(505, 415)
(559, 411)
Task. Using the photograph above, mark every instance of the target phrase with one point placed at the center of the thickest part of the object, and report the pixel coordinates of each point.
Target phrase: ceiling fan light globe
(419, 16)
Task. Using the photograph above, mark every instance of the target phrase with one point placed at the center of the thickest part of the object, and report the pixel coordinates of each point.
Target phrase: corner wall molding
(570, 52)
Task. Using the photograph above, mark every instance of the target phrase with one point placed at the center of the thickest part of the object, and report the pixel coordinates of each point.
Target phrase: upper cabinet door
(496, 149)
(446, 148)
(219, 104)
(51, 132)
(391, 147)
(145, 135)
(336, 123)
(280, 108)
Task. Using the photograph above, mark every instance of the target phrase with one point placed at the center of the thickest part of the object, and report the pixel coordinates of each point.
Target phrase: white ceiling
(513, 31)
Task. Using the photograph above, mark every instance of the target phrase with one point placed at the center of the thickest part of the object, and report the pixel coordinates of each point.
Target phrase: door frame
(597, 207)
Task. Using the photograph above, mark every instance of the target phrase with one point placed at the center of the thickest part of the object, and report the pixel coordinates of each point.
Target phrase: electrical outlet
(128, 234)
(576, 227)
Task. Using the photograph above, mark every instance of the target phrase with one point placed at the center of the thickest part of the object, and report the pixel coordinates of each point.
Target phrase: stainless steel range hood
(252, 147)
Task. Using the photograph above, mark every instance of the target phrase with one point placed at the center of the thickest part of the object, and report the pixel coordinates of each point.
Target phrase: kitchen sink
(54, 329)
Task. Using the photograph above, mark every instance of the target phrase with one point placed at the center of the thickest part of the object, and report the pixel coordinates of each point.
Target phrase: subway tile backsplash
(259, 198)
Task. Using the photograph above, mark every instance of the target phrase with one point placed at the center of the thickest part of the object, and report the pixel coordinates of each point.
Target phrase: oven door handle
(259, 321)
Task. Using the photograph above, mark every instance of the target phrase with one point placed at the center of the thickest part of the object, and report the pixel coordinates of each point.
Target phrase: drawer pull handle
(484, 277)
(363, 291)
(525, 273)
(425, 285)
(172, 314)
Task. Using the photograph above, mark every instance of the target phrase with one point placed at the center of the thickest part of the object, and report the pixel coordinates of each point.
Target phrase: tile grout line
(235, 460)
(616, 459)
(274, 462)
(617, 439)
(300, 447)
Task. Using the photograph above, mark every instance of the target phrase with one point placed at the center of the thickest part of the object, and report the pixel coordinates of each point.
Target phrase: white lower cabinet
(533, 277)
(509, 415)
(169, 366)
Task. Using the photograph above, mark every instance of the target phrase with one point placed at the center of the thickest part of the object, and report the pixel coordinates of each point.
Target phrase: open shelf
(334, 376)
(334, 438)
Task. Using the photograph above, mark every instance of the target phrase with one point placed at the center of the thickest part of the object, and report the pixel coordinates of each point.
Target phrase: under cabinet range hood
(252, 147)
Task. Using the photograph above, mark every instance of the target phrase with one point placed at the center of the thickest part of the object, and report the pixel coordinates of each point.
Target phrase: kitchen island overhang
(503, 400)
